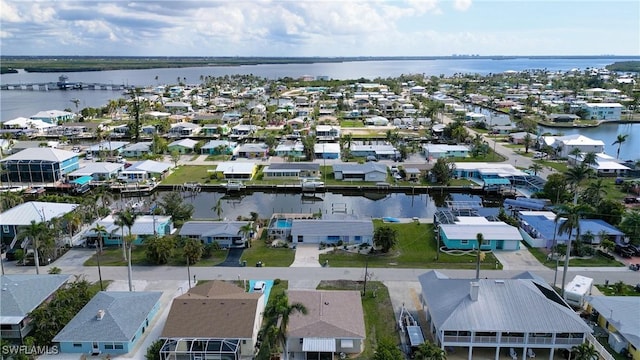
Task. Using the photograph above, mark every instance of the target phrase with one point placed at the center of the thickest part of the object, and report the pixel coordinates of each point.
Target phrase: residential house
(522, 316)
(603, 111)
(243, 130)
(292, 170)
(215, 130)
(327, 151)
(182, 146)
(98, 171)
(459, 232)
(177, 107)
(360, 172)
(53, 116)
(218, 147)
(184, 129)
(106, 147)
(38, 165)
(252, 150)
(234, 170)
(24, 125)
(618, 316)
(562, 117)
(231, 117)
(23, 214)
(112, 323)
(380, 152)
(564, 145)
(605, 165)
(436, 151)
(332, 231)
(144, 170)
(333, 324)
(293, 149)
(214, 320)
(521, 136)
(538, 228)
(376, 121)
(327, 132)
(227, 234)
(144, 225)
(20, 295)
(148, 130)
(137, 150)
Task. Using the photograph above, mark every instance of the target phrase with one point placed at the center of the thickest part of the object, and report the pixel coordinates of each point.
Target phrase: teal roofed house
(113, 322)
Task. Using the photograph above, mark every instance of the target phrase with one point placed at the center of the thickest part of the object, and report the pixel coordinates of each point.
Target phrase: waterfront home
(215, 130)
(334, 323)
(605, 165)
(137, 150)
(502, 129)
(564, 145)
(436, 151)
(218, 147)
(251, 150)
(380, 152)
(111, 323)
(332, 231)
(292, 170)
(38, 165)
(618, 316)
(144, 170)
(25, 124)
(458, 230)
(327, 132)
(360, 172)
(293, 149)
(327, 151)
(23, 214)
(522, 315)
(20, 295)
(157, 115)
(54, 117)
(227, 234)
(563, 117)
(487, 173)
(182, 146)
(98, 171)
(243, 130)
(144, 226)
(178, 107)
(184, 129)
(280, 224)
(235, 170)
(521, 136)
(538, 228)
(375, 120)
(194, 325)
(603, 111)
(107, 147)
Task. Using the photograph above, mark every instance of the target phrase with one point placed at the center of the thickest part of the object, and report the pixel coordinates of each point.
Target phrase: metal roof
(20, 294)
(319, 344)
(520, 304)
(37, 211)
(41, 154)
(332, 227)
(490, 231)
(98, 168)
(622, 312)
(124, 313)
(212, 228)
(149, 166)
(545, 226)
(294, 166)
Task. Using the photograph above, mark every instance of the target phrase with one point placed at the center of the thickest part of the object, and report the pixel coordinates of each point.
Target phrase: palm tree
(479, 240)
(217, 208)
(527, 141)
(246, 230)
(595, 192)
(34, 232)
(590, 158)
(100, 230)
(584, 351)
(570, 214)
(429, 351)
(535, 167)
(128, 218)
(280, 313)
(575, 176)
(619, 140)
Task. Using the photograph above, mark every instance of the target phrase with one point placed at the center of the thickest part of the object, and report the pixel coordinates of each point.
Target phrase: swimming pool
(283, 224)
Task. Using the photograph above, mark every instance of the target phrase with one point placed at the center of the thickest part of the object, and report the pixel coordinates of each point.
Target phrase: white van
(259, 286)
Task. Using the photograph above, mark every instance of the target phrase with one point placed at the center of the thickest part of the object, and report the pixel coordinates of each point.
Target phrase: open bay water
(14, 103)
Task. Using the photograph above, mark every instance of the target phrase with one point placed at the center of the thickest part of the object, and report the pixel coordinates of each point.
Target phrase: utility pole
(366, 275)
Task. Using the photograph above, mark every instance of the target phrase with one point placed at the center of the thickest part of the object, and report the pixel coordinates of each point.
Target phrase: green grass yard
(189, 173)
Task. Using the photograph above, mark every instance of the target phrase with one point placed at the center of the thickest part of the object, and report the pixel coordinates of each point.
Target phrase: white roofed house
(564, 145)
(436, 151)
(243, 130)
(227, 234)
(144, 170)
(252, 150)
(177, 107)
(293, 149)
(53, 116)
(327, 132)
(381, 152)
(603, 111)
(99, 171)
(235, 170)
(292, 170)
(605, 165)
(218, 147)
(183, 146)
(139, 149)
(144, 225)
(460, 232)
(107, 147)
(23, 214)
(327, 151)
(184, 129)
(522, 316)
(360, 172)
(332, 231)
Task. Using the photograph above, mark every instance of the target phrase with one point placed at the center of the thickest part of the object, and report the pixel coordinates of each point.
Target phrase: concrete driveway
(519, 260)
(307, 255)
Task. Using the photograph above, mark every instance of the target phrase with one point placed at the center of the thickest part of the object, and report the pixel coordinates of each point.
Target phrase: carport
(319, 348)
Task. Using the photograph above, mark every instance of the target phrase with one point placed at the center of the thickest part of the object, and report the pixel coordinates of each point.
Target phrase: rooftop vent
(473, 291)
(100, 314)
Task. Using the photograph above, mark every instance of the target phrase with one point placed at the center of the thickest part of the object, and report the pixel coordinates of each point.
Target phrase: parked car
(372, 158)
(259, 286)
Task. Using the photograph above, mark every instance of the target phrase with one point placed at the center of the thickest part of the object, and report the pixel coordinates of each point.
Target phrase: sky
(319, 27)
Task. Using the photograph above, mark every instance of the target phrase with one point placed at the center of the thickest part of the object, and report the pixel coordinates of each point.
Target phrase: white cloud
(462, 5)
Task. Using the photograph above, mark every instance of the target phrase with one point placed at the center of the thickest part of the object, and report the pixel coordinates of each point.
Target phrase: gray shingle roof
(515, 305)
(20, 294)
(34, 210)
(332, 227)
(622, 312)
(124, 313)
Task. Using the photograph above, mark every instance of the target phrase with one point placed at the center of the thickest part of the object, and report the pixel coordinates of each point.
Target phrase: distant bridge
(48, 86)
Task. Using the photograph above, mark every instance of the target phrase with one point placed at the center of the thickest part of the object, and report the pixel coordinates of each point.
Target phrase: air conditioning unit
(100, 314)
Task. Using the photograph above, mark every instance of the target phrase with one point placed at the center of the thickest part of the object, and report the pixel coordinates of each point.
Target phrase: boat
(410, 329)
(311, 185)
(390, 219)
(234, 185)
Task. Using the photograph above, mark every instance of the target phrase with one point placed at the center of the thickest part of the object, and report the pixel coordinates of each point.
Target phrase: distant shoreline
(583, 126)
(44, 64)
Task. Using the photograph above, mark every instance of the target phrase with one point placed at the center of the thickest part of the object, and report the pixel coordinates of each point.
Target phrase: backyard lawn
(416, 248)
(189, 173)
(379, 319)
(270, 256)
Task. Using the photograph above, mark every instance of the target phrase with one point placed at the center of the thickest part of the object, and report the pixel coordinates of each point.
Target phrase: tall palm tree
(535, 167)
(575, 176)
(619, 140)
(570, 215)
(245, 230)
(128, 218)
(217, 208)
(595, 192)
(280, 314)
(100, 230)
(590, 158)
(34, 232)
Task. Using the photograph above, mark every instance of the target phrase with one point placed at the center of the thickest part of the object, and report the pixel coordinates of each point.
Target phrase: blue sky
(319, 27)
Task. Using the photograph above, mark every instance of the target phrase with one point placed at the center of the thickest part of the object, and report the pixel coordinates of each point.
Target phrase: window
(300, 238)
(108, 346)
(5, 229)
(118, 346)
(77, 345)
(464, 242)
